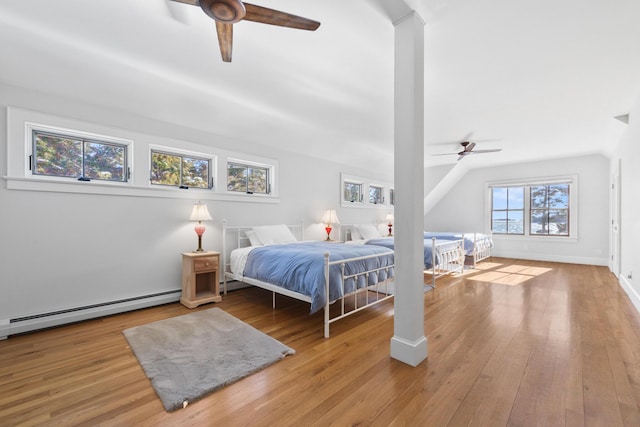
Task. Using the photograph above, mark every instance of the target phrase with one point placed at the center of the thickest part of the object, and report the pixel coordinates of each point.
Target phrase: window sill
(533, 238)
(128, 189)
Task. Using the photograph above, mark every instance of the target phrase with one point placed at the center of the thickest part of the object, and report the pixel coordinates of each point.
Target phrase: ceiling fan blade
(191, 2)
(486, 151)
(225, 39)
(444, 154)
(264, 15)
(470, 146)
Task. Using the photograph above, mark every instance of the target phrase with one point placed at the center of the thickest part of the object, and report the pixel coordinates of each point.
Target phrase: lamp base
(199, 240)
(328, 230)
(390, 227)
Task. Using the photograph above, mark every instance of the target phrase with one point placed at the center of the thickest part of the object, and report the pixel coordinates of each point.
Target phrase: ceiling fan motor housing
(227, 11)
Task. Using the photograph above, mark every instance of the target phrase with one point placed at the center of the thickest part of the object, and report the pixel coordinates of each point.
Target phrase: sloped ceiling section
(539, 80)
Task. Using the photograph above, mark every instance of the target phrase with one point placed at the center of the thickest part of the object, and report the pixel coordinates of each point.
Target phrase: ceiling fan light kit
(228, 12)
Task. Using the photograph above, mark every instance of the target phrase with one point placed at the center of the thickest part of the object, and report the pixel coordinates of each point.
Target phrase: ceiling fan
(467, 149)
(228, 12)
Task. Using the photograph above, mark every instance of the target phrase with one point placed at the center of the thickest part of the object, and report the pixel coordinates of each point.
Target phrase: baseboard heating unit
(34, 322)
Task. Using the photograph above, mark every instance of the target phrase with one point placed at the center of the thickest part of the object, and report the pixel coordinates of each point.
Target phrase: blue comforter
(388, 242)
(300, 267)
(468, 238)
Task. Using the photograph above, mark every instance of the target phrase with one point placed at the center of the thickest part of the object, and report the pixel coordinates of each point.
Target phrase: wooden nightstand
(200, 278)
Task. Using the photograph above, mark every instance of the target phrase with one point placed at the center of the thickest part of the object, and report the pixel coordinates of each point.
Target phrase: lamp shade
(200, 213)
(330, 217)
(389, 218)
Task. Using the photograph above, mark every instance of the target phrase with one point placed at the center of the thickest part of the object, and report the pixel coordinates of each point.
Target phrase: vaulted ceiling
(537, 79)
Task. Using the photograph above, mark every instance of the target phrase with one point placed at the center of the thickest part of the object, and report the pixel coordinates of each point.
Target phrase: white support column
(409, 344)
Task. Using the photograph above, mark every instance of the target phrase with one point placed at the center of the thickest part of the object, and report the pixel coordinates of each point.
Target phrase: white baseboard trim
(551, 258)
(18, 325)
(409, 352)
(634, 296)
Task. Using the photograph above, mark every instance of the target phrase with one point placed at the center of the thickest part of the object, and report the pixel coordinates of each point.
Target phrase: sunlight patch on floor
(510, 275)
(486, 265)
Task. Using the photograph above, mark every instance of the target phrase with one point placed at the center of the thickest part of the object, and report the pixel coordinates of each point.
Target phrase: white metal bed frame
(380, 289)
(481, 248)
(450, 253)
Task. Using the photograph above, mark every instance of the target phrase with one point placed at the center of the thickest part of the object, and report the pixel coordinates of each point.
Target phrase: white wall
(464, 209)
(65, 250)
(628, 153)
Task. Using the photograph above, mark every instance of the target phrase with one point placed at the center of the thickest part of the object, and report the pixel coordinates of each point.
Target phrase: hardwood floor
(512, 343)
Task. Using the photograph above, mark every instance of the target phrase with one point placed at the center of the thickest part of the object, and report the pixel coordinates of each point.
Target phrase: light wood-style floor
(513, 343)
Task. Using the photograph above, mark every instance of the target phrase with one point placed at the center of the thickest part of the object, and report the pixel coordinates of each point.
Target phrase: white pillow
(368, 231)
(355, 234)
(253, 238)
(272, 234)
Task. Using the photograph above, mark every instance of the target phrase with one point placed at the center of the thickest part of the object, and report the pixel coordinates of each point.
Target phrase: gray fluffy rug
(190, 356)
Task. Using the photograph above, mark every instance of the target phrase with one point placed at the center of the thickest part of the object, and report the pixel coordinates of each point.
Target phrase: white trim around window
(365, 185)
(572, 180)
(21, 122)
(271, 167)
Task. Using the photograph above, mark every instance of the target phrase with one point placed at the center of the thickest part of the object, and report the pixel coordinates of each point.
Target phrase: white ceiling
(538, 79)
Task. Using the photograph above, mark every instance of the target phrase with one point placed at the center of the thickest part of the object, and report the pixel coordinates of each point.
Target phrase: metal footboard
(446, 257)
(366, 289)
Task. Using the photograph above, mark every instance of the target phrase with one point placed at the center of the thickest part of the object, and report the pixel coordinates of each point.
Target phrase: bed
(477, 246)
(441, 256)
(320, 273)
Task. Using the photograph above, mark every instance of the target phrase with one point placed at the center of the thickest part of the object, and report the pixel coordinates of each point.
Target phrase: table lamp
(390, 224)
(200, 213)
(329, 218)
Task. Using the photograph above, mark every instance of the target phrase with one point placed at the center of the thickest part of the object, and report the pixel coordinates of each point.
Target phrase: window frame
(547, 209)
(212, 160)
(365, 185)
(32, 129)
(360, 193)
(82, 157)
(507, 210)
(380, 190)
(270, 179)
(572, 180)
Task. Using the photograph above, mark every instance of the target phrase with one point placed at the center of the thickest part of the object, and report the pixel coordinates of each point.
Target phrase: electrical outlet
(630, 275)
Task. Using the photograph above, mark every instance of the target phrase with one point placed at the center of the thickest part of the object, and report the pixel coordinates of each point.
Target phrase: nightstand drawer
(209, 263)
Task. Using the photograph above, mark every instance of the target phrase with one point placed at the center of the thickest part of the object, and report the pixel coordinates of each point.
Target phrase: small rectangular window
(507, 213)
(376, 194)
(249, 179)
(352, 192)
(68, 156)
(180, 170)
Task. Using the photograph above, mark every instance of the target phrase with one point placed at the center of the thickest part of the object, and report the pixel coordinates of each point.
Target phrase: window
(57, 154)
(352, 192)
(392, 197)
(179, 170)
(376, 194)
(507, 213)
(550, 210)
(361, 192)
(70, 156)
(535, 207)
(248, 178)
